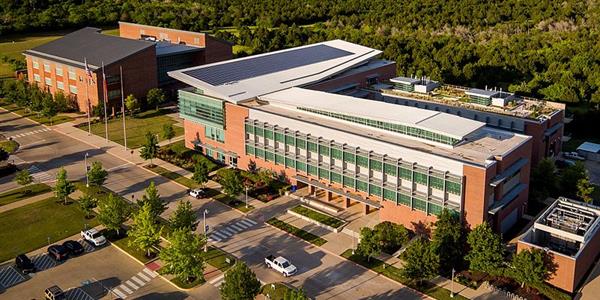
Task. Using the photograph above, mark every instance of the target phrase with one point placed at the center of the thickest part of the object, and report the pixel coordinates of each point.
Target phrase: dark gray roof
(90, 43)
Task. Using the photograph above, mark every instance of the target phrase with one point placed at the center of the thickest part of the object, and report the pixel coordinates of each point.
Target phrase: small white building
(589, 150)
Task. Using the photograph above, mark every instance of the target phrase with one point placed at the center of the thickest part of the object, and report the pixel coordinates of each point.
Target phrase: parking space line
(138, 281)
(144, 277)
(150, 272)
(119, 293)
(125, 288)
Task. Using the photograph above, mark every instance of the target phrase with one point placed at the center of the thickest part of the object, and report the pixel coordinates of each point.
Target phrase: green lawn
(277, 293)
(123, 243)
(23, 193)
(229, 201)
(173, 176)
(305, 235)
(31, 226)
(9, 146)
(137, 127)
(318, 216)
(217, 258)
(34, 116)
(396, 274)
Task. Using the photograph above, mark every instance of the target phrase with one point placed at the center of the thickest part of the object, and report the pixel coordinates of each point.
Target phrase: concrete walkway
(24, 202)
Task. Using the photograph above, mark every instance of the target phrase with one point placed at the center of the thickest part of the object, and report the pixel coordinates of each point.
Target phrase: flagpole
(87, 82)
(123, 108)
(104, 87)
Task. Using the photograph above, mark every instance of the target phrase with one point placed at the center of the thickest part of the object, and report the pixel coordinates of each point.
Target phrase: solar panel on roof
(266, 64)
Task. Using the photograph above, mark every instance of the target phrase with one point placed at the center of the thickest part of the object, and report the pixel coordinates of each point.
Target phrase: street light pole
(87, 180)
(246, 187)
(452, 287)
(205, 233)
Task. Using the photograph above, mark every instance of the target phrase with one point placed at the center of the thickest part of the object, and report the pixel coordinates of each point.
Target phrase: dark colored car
(73, 247)
(58, 252)
(54, 293)
(24, 264)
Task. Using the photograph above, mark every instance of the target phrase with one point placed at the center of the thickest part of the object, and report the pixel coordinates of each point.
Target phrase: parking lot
(103, 273)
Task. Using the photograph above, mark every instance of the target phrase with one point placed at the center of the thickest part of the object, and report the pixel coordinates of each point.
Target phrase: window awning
(509, 172)
(334, 190)
(213, 148)
(508, 198)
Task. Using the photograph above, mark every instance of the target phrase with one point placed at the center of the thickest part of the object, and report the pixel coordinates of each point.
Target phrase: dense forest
(548, 49)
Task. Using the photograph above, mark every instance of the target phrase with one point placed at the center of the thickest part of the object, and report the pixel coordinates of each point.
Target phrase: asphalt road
(321, 274)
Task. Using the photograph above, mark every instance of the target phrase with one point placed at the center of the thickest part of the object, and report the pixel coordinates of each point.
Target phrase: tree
(87, 204)
(151, 197)
(145, 230)
(63, 187)
(232, 183)
(240, 283)
(4, 155)
(529, 266)
(132, 104)
(24, 178)
(447, 240)
(252, 166)
(391, 236)
(113, 212)
(293, 294)
(200, 175)
(421, 261)
(570, 177)
(369, 245)
(150, 147)
(487, 252)
(265, 176)
(97, 175)
(183, 217)
(155, 97)
(543, 180)
(168, 132)
(183, 257)
(585, 190)
(49, 107)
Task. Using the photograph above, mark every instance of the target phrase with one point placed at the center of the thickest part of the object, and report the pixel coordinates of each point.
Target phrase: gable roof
(248, 77)
(91, 44)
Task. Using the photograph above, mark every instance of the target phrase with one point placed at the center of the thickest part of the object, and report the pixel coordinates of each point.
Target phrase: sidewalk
(24, 202)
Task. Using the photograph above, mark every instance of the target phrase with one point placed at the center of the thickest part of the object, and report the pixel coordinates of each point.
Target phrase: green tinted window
(436, 183)
(301, 143)
(279, 137)
(362, 161)
(420, 178)
(336, 153)
(312, 170)
(324, 150)
(362, 186)
(268, 134)
(420, 204)
(312, 147)
(301, 166)
(405, 174)
(323, 173)
(249, 128)
(289, 162)
(376, 165)
(260, 152)
(404, 199)
(374, 190)
(269, 156)
(289, 140)
(259, 131)
(279, 159)
(389, 195)
(335, 177)
(348, 157)
(435, 209)
(389, 169)
(348, 182)
(249, 150)
(453, 188)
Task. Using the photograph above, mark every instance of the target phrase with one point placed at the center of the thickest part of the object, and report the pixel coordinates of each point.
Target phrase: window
(362, 186)
(59, 71)
(279, 137)
(389, 169)
(279, 159)
(301, 143)
(312, 147)
(114, 94)
(269, 156)
(249, 128)
(336, 153)
(301, 166)
(453, 188)
(249, 150)
(46, 68)
(289, 140)
(73, 89)
(389, 195)
(72, 75)
(37, 77)
(212, 133)
(312, 170)
(36, 64)
(348, 182)
(289, 162)
(436, 183)
(259, 131)
(268, 134)
(349, 157)
(260, 153)
(376, 165)
(374, 190)
(434, 209)
(324, 150)
(420, 178)
(60, 85)
(362, 161)
(404, 199)
(420, 204)
(48, 81)
(406, 174)
(335, 177)
(323, 173)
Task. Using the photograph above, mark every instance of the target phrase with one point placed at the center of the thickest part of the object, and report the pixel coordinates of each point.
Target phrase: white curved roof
(438, 122)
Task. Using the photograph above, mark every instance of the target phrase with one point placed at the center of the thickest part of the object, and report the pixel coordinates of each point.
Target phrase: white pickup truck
(94, 237)
(281, 265)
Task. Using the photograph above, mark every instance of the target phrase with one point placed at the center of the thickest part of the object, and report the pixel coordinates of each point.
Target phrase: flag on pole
(104, 85)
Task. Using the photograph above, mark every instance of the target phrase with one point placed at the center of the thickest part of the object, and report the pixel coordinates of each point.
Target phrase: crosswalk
(39, 175)
(227, 232)
(134, 283)
(30, 133)
(10, 276)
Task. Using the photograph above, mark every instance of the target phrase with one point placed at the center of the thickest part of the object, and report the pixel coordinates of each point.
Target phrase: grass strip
(318, 216)
(172, 176)
(60, 118)
(35, 225)
(279, 291)
(9, 146)
(303, 234)
(23, 193)
(396, 275)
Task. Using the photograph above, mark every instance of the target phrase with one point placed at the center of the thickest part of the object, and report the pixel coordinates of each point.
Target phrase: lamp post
(246, 188)
(452, 287)
(87, 180)
(205, 233)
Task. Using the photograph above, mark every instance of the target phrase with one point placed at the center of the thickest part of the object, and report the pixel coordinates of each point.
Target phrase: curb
(425, 296)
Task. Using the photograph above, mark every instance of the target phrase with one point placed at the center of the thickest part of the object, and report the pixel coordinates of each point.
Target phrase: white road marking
(119, 293)
(219, 235)
(229, 230)
(138, 281)
(141, 275)
(244, 226)
(150, 272)
(248, 222)
(125, 288)
(132, 285)
(237, 228)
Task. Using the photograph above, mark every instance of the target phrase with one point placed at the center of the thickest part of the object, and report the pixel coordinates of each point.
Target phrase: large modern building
(542, 120)
(568, 232)
(293, 111)
(60, 65)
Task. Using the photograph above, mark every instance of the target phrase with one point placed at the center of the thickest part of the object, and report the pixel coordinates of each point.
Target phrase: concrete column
(328, 196)
(311, 189)
(367, 209)
(346, 202)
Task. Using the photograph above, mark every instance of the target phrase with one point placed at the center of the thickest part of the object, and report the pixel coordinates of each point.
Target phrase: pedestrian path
(30, 133)
(134, 283)
(226, 232)
(10, 276)
(39, 175)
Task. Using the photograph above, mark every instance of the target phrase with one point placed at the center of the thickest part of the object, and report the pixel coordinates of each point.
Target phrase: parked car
(573, 155)
(94, 237)
(198, 193)
(561, 164)
(281, 265)
(73, 247)
(58, 252)
(54, 293)
(24, 264)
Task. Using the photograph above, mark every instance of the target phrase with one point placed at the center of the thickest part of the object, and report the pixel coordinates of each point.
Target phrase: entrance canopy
(337, 191)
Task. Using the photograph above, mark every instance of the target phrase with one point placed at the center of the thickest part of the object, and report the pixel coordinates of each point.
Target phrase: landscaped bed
(23, 193)
(9, 146)
(305, 235)
(122, 241)
(229, 201)
(177, 154)
(173, 176)
(318, 216)
(32, 226)
(276, 291)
